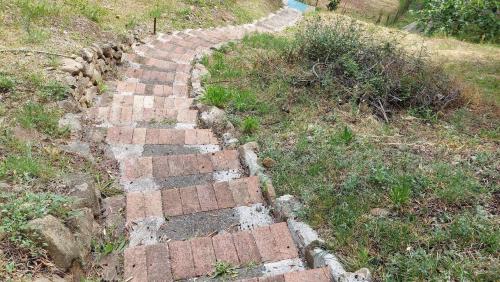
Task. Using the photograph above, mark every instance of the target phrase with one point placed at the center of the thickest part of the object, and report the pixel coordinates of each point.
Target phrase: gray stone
(362, 275)
(71, 66)
(88, 55)
(118, 55)
(97, 49)
(287, 207)
(83, 223)
(82, 188)
(283, 266)
(70, 80)
(303, 235)
(213, 117)
(412, 28)
(72, 121)
(318, 257)
(90, 94)
(249, 158)
(68, 105)
(107, 50)
(57, 239)
(229, 140)
(79, 148)
(146, 231)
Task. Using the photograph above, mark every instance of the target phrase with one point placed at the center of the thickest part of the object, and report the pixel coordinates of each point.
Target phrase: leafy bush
(250, 125)
(333, 5)
(359, 68)
(217, 96)
(474, 20)
(54, 90)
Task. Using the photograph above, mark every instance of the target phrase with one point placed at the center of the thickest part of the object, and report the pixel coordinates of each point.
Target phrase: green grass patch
(36, 116)
(317, 123)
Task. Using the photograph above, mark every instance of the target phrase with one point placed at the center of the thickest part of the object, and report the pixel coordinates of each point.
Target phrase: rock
(379, 212)
(70, 81)
(101, 65)
(304, 236)
(68, 105)
(83, 224)
(71, 66)
(362, 275)
(318, 257)
(107, 50)
(79, 148)
(97, 49)
(229, 141)
(287, 207)
(268, 162)
(118, 55)
(52, 278)
(249, 157)
(82, 187)
(88, 55)
(412, 28)
(96, 77)
(213, 117)
(90, 94)
(72, 121)
(57, 239)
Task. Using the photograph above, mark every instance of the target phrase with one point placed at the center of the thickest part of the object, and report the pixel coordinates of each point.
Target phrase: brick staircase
(189, 204)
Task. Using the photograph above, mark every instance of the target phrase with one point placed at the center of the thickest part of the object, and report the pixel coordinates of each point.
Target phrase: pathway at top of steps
(190, 205)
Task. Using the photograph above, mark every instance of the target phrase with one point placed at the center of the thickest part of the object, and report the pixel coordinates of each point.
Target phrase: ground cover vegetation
(396, 164)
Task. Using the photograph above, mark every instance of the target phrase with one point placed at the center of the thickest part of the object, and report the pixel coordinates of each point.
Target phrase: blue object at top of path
(297, 5)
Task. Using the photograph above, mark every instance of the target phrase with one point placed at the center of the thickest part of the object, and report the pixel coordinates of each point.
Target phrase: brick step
(163, 167)
(156, 77)
(193, 199)
(310, 275)
(196, 257)
(156, 64)
(149, 102)
(148, 89)
(180, 55)
(123, 116)
(160, 136)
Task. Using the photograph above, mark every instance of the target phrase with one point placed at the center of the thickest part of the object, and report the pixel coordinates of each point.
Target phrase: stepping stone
(197, 257)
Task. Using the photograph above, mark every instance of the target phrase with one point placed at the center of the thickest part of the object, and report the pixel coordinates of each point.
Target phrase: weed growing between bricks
(413, 198)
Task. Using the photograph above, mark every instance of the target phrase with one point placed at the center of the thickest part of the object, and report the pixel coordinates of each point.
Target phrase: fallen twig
(33, 51)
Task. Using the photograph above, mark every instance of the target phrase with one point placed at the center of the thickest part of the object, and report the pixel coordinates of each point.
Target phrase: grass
(435, 173)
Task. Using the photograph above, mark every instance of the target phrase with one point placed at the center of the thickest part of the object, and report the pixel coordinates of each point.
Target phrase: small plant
(345, 136)
(35, 115)
(106, 248)
(333, 5)
(53, 91)
(223, 268)
(400, 192)
(91, 11)
(33, 10)
(250, 125)
(217, 96)
(6, 83)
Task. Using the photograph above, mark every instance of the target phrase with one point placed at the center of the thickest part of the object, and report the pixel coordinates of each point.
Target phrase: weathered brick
(138, 167)
(139, 136)
(206, 196)
(158, 260)
(203, 255)
(311, 275)
(135, 264)
(254, 189)
(224, 248)
(172, 204)
(126, 134)
(265, 243)
(152, 136)
(190, 135)
(274, 278)
(161, 167)
(227, 159)
(223, 195)
(113, 135)
(181, 259)
(135, 206)
(246, 247)
(189, 165)
(189, 198)
(204, 163)
(175, 165)
(284, 242)
(153, 204)
(240, 192)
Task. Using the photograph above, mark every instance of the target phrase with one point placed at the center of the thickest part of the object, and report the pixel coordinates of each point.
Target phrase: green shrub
(91, 11)
(54, 91)
(474, 20)
(35, 115)
(358, 67)
(250, 125)
(6, 83)
(33, 10)
(217, 96)
(333, 5)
